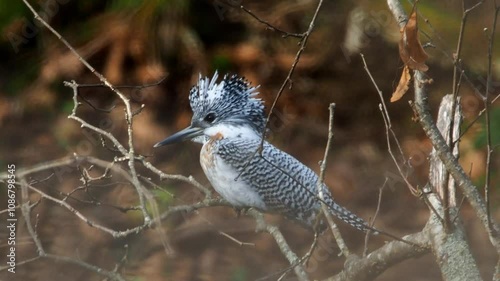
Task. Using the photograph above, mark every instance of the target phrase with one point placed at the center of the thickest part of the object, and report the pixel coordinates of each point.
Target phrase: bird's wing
(284, 183)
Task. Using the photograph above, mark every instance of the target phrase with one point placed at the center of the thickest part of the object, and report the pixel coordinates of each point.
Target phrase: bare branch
(451, 162)
(272, 27)
(372, 221)
(137, 87)
(388, 129)
(108, 274)
(450, 247)
(182, 178)
(114, 233)
(288, 78)
(26, 211)
(375, 263)
(130, 154)
(443, 150)
(458, 51)
(447, 198)
(486, 100)
(282, 244)
(319, 187)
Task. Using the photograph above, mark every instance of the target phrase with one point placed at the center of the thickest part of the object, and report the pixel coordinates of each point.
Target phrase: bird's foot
(240, 211)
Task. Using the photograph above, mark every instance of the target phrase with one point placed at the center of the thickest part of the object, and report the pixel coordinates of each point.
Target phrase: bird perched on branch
(229, 121)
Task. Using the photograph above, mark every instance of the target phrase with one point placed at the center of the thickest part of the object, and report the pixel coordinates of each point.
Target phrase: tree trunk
(446, 232)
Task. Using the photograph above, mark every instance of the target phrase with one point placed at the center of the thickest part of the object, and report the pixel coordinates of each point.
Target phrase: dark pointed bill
(186, 134)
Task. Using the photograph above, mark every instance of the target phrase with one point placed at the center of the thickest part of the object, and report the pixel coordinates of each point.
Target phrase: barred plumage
(284, 184)
(228, 120)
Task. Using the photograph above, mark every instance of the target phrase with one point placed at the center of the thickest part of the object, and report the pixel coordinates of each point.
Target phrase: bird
(247, 171)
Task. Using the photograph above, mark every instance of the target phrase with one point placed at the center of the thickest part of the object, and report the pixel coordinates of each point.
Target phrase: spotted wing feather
(286, 185)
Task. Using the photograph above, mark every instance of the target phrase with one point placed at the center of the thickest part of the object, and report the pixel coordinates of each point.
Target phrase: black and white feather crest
(233, 100)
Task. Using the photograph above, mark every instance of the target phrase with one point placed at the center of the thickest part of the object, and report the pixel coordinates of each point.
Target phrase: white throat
(231, 131)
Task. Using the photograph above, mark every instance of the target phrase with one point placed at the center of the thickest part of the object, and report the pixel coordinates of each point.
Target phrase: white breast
(222, 177)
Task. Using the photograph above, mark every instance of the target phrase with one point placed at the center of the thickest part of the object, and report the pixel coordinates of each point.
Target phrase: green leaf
(481, 139)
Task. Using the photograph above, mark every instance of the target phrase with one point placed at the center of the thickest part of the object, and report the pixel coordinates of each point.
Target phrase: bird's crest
(232, 100)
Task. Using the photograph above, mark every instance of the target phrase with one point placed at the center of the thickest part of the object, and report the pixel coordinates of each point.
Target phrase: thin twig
(138, 87)
(320, 187)
(122, 261)
(282, 244)
(427, 190)
(451, 162)
(26, 211)
(235, 240)
(193, 207)
(114, 233)
(164, 176)
(458, 50)
(443, 150)
(372, 221)
(466, 129)
(108, 274)
(288, 78)
(489, 149)
(451, 57)
(388, 130)
(128, 113)
(455, 92)
(272, 27)
(289, 268)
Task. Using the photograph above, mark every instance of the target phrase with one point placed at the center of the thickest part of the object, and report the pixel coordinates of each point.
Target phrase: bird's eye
(210, 117)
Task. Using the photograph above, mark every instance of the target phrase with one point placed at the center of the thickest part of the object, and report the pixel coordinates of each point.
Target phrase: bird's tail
(349, 217)
(357, 222)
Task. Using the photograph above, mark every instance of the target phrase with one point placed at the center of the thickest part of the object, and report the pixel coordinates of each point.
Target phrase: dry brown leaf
(403, 85)
(410, 49)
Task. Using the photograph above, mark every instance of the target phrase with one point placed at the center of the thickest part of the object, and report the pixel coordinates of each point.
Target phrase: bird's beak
(186, 134)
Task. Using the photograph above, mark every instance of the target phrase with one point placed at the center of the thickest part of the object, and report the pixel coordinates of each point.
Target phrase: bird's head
(227, 108)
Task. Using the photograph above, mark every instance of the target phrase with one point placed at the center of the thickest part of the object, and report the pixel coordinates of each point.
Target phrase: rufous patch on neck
(217, 136)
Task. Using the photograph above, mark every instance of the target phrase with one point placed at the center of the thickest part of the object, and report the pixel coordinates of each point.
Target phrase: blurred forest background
(140, 42)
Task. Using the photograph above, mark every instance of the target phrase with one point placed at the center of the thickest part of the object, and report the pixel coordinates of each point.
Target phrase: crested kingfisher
(228, 119)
